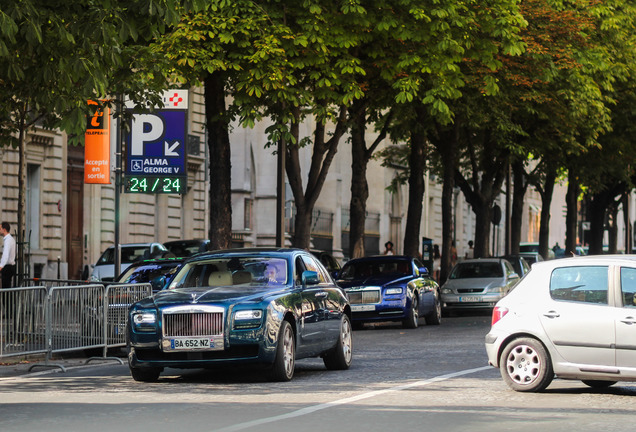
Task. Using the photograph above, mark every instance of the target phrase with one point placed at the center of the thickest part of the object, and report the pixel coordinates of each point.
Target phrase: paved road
(431, 378)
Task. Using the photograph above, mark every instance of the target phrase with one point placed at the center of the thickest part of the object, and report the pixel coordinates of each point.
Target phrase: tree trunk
(302, 227)
(547, 191)
(520, 186)
(483, 220)
(612, 229)
(321, 159)
(446, 144)
(417, 165)
(359, 184)
(571, 199)
(217, 122)
(21, 228)
(627, 223)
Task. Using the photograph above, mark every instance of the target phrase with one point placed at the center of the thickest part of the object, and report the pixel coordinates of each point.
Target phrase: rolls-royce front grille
(193, 324)
(363, 297)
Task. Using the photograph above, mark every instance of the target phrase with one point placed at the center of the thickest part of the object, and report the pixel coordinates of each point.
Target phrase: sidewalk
(20, 365)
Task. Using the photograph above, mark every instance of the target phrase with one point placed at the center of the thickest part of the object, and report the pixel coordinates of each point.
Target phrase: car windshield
(228, 271)
(148, 272)
(364, 269)
(477, 270)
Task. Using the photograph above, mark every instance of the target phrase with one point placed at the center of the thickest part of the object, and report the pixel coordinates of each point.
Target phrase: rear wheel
(525, 365)
(339, 358)
(283, 368)
(435, 317)
(599, 384)
(411, 321)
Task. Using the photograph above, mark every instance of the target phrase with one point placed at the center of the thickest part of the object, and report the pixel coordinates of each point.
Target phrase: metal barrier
(23, 321)
(49, 283)
(66, 318)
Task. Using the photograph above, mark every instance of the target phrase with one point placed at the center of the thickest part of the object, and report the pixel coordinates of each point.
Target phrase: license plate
(192, 344)
(362, 308)
(469, 299)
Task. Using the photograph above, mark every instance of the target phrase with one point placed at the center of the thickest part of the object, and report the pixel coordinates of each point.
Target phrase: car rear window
(580, 284)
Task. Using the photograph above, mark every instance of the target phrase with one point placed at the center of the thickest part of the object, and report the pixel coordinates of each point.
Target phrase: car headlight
(248, 315)
(498, 289)
(144, 321)
(390, 291)
(447, 291)
(248, 319)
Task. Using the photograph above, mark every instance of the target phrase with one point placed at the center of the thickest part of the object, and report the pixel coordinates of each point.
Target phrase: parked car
(331, 264)
(390, 288)
(264, 307)
(519, 263)
(104, 269)
(186, 248)
(478, 283)
(158, 272)
(531, 257)
(573, 318)
(533, 248)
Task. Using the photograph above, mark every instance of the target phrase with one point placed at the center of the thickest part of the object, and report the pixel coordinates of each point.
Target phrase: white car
(574, 318)
(104, 269)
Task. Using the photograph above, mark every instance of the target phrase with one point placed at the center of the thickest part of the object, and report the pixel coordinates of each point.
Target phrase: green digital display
(155, 184)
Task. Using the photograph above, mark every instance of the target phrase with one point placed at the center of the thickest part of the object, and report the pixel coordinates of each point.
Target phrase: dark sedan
(262, 307)
(390, 288)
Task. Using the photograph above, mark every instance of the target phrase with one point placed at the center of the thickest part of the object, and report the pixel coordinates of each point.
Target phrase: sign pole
(120, 139)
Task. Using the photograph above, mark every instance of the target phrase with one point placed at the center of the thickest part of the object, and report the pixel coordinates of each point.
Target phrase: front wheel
(525, 365)
(339, 358)
(413, 317)
(146, 374)
(283, 368)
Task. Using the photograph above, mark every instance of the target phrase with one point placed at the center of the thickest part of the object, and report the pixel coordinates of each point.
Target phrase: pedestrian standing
(437, 262)
(388, 248)
(470, 253)
(453, 254)
(7, 263)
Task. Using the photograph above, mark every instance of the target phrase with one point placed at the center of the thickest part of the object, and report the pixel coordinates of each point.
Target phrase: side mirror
(310, 278)
(158, 283)
(334, 274)
(423, 271)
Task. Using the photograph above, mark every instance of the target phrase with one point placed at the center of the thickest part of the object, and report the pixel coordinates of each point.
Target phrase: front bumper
(470, 301)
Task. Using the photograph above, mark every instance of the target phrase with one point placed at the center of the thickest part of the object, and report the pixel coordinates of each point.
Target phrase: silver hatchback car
(478, 283)
(574, 318)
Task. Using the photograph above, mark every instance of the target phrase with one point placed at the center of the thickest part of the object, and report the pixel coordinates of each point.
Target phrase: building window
(248, 211)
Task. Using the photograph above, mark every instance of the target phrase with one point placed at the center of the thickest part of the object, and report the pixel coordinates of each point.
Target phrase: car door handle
(629, 320)
(551, 314)
(322, 294)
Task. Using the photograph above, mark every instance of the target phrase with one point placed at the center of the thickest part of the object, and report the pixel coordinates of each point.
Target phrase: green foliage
(57, 54)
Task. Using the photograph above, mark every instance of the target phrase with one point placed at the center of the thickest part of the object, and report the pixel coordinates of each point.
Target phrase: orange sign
(97, 146)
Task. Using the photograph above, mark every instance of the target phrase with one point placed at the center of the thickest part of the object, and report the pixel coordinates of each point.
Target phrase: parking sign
(156, 148)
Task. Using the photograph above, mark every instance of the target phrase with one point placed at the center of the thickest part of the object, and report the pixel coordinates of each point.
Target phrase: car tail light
(498, 313)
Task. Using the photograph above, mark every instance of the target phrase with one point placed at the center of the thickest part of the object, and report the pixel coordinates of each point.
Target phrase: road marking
(314, 408)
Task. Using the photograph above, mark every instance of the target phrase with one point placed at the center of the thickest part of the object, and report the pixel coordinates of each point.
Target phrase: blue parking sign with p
(156, 147)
